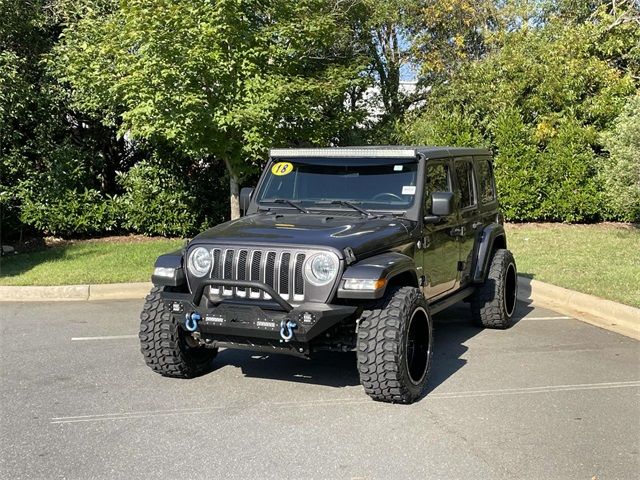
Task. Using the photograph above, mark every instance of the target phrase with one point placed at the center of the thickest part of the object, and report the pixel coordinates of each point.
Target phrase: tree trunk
(234, 197)
(234, 192)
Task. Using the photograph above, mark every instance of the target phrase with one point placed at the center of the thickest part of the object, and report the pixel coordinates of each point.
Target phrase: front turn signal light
(361, 284)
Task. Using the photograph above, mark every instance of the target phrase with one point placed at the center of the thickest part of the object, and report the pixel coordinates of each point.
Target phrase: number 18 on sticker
(281, 168)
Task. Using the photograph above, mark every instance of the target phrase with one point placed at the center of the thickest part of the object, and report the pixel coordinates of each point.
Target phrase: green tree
(384, 33)
(221, 81)
(20, 43)
(55, 161)
(429, 39)
(447, 34)
(539, 98)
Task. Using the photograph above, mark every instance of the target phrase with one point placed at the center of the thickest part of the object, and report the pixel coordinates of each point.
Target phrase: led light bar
(344, 152)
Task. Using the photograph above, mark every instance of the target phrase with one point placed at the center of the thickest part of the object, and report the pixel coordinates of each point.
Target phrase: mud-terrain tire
(493, 303)
(164, 343)
(395, 346)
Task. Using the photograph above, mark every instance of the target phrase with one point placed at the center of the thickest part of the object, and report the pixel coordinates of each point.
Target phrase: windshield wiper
(348, 204)
(288, 202)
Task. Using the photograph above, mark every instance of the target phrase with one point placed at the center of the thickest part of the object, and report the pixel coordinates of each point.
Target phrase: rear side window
(466, 183)
(487, 185)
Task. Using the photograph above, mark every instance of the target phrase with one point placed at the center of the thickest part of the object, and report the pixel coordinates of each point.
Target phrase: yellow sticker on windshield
(281, 168)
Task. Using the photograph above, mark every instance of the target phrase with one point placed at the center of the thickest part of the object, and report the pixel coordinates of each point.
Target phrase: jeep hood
(363, 235)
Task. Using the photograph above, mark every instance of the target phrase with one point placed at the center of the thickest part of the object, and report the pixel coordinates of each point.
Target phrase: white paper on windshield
(409, 190)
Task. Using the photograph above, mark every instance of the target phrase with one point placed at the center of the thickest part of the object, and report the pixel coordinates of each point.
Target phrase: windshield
(380, 186)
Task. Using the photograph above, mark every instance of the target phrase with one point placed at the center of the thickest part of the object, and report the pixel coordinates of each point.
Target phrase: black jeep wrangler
(339, 249)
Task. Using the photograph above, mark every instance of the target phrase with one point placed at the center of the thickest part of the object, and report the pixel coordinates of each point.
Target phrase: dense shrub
(59, 197)
(515, 166)
(87, 149)
(70, 213)
(454, 127)
(620, 172)
(155, 202)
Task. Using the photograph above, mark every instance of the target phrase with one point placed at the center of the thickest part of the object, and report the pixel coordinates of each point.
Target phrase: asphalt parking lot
(550, 398)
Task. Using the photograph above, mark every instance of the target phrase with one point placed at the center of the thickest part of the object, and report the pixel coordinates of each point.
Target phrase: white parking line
(342, 401)
(111, 337)
(543, 389)
(547, 318)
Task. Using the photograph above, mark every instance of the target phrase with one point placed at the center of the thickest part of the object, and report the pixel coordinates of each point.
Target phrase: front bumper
(247, 323)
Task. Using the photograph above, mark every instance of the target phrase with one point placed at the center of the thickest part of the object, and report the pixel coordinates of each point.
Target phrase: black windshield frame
(312, 183)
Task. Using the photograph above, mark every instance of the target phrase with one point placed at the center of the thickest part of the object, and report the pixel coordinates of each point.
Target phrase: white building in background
(372, 99)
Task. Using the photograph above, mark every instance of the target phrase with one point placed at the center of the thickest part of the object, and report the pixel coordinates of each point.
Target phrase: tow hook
(191, 321)
(286, 329)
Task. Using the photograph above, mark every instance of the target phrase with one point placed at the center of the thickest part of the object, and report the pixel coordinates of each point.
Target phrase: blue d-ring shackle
(191, 321)
(286, 329)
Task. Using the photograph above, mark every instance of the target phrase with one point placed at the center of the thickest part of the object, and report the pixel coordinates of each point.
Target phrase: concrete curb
(52, 293)
(116, 291)
(619, 318)
(597, 311)
(64, 293)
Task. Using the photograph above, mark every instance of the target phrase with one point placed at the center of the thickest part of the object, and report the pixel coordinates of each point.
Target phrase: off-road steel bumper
(252, 324)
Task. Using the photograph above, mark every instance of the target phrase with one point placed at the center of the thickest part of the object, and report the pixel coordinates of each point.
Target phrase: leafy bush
(155, 199)
(568, 175)
(60, 197)
(453, 127)
(70, 213)
(516, 165)
(155, 202)
(620, 173)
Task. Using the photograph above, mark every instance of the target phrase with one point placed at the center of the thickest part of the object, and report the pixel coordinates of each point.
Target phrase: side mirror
(442, 203)
(441, 206)
(245, 199)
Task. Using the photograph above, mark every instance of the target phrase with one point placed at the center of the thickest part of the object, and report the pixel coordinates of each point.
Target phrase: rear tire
(164, 343)
(493, 303)
(395, 343)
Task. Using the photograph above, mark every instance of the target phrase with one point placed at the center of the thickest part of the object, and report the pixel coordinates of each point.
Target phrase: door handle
(458, 231)
(423, 243)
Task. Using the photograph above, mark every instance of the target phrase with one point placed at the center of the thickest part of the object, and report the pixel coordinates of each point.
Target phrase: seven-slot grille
(281, 270)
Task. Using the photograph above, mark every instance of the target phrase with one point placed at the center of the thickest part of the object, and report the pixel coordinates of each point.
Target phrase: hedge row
(154, 201)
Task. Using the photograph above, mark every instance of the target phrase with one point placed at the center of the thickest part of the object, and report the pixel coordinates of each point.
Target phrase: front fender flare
(170, 260)
(385, 265)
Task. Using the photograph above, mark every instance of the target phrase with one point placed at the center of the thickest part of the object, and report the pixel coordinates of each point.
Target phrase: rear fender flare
(492, 237)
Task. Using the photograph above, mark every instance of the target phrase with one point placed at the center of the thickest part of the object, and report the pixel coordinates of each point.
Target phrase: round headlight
(321, 268)
(199, 262)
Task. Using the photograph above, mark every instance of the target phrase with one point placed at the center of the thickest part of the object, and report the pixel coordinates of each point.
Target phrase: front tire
(395, 343)
(165, 344)
(493, 303)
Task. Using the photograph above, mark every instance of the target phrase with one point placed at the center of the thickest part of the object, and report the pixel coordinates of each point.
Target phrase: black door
(469, 223)
(439, 252)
